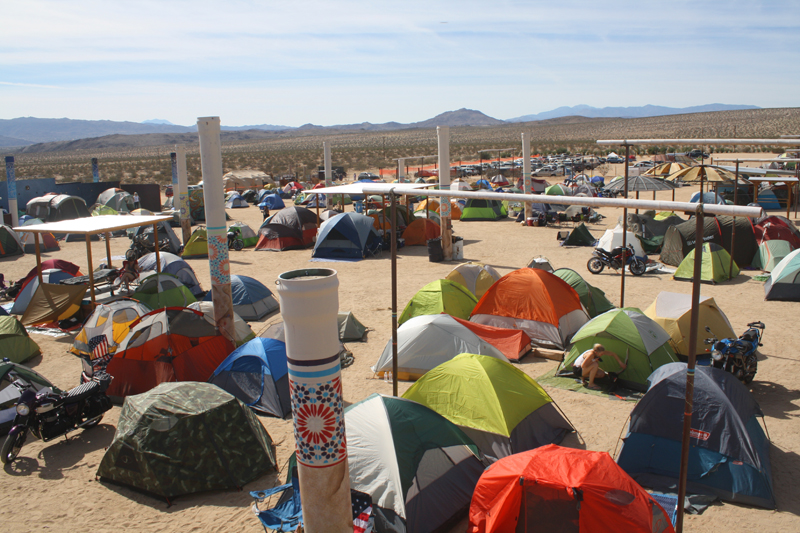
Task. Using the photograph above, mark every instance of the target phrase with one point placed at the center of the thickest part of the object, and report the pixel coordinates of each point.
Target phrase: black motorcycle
(235, 241)
(616, 259)
(738, 356)
(48, 414)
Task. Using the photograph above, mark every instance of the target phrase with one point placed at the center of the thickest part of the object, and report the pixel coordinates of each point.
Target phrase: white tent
(426, 341)
(613, 238)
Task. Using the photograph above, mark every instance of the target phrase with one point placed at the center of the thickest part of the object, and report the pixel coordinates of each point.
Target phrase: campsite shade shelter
(89, 226)
(672, 311)
(631, 335)
(168, 442)
(502, 409)
(703, 173)
(666, 169)
(562, 489)
(440, 296)
(729, 454)
(426, 341)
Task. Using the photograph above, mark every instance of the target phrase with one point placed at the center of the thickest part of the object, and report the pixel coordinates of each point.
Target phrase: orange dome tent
(539, 303)
(562, 489)
(419, 232)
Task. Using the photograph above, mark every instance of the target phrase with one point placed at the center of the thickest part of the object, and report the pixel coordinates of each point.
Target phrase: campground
(52, 485)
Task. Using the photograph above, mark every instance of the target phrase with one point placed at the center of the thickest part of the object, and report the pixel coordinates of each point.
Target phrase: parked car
(694, 154)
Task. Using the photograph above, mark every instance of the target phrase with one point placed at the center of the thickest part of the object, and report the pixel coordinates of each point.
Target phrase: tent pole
(108, 249)
(693, 331)
(624, 230)
(394, 293)
(91, 267)
(158, 254)
(38, 257)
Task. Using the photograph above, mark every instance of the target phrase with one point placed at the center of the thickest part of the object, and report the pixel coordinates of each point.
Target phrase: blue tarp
(729, 453)
(257, 374)
(347, 236)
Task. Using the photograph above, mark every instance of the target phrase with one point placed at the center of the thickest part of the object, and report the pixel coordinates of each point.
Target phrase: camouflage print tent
(182, 438)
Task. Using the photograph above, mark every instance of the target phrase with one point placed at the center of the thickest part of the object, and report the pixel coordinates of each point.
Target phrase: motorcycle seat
(744, 344)
(750, 335)
(81, 392)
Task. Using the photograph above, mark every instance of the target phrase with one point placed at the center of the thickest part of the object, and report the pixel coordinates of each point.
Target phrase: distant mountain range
(627, 112)
(25, 131)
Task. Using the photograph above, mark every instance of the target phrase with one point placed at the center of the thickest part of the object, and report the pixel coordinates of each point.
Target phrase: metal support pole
(208, 129)
(326, 157)
(158, 248)
(693, 331)
(309, 307)
(108, 249)
(526, 172)
(173, 157)
(95, 171)
(733, 230)
(11, 185)
(91, 267)
(443, 136)
(183, 193)
(393, 199)
(624, 231)
(38, 258)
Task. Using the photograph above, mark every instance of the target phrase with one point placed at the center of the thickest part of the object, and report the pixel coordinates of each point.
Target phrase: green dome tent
(440, 296)
(770, 253)
(580, 236)
(163, 290)
(197, 245)
(481, 209)
(632, 336)
(784, 282)
(168, 442)
(715, 265)
(502, 409)
(15, 342)
(592, 298)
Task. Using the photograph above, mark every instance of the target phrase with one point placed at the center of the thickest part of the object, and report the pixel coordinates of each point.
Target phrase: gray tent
(350, 329)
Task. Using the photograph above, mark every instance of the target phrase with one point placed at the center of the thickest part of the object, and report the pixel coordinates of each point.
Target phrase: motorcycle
(49, 415)
(738, 356)
(235, 241)
(615, 259)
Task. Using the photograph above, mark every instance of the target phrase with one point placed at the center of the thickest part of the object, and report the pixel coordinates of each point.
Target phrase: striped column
(526, 172)
(309, 306)
(95, 171)
(11, 183)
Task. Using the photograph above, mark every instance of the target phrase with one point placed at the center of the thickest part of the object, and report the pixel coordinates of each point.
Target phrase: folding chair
(287, 515)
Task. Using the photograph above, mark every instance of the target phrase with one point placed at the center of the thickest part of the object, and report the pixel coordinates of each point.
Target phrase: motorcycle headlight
(23, 409)
(716, 355)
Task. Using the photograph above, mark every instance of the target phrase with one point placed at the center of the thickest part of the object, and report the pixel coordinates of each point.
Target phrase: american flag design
(100, 356)
(363, 522)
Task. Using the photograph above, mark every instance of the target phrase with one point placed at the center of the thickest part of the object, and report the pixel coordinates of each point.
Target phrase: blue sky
(343, 62)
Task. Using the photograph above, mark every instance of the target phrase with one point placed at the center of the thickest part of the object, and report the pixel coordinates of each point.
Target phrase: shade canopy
(706, 173)
(641, 183)
(95, 225)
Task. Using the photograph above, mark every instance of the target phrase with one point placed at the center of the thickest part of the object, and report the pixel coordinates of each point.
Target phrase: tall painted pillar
(173, 159)
(11, 183)
(401, 170)
(208, 129)
(309, 307)
(183, 192)
(526, 171)
(326, 158)
(95, 171)
(443, 136)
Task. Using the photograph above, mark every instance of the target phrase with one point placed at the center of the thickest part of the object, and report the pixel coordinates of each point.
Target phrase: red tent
(60, 264)
(170, 344)
(776, 227)
(514, 343)
(563, 489)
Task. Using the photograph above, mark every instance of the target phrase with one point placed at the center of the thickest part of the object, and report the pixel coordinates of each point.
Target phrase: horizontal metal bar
(713, 209)
(635, 142)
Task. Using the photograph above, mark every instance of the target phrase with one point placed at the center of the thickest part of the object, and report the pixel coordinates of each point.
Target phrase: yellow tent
(113, 320)
(673, 312)
(477, 277)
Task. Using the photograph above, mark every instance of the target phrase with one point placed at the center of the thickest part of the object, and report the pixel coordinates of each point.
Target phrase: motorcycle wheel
(238, 245)
(595, 266)
(638, 267)
(93, 422)
(12, 446)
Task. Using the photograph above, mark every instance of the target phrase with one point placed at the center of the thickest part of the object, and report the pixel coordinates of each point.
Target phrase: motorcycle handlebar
(759, 325)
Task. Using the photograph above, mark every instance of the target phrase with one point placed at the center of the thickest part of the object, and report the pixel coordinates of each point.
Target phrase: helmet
(130, 255)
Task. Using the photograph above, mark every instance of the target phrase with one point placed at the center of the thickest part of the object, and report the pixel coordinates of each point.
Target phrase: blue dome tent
(236, 201)
(252, 300)
(347, 236)
(256, 373)
(272, 201)
(729, 454)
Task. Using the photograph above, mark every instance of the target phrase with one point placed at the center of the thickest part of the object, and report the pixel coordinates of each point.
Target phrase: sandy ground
(52, 485)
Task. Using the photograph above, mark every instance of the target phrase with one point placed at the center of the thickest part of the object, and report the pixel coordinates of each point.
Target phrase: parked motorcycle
(615, 259)
(235, 241)
(738, 356)
(48, 414)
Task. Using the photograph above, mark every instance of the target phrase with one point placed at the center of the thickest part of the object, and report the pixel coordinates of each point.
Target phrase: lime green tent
(197, 245)
(502, 409)
(15, 342)
(770, 253)
(163, 290)
(592, 298)
(440, 296)
(633, 337)
(715, 266)
(558, 190)
(100, 210)
(249, 237)
(481, 209)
